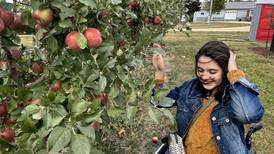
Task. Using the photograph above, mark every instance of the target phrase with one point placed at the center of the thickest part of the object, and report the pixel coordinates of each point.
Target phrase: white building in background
(234, 11)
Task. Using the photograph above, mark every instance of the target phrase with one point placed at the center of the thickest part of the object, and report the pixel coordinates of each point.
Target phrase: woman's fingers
(232, 65)
(158, 62)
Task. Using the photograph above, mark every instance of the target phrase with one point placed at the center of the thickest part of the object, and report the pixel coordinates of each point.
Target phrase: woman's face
(209, 73)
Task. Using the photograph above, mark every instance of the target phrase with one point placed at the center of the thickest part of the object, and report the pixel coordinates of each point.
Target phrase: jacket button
(218, 137)
(227, 120)
(213, 118)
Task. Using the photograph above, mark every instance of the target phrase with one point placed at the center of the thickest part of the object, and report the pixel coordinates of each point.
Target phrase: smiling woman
(227, 101)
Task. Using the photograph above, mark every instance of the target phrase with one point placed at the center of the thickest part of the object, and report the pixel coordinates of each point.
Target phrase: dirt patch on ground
(262, 51)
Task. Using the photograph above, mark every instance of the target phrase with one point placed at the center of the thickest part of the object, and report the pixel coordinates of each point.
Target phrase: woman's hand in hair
(159, 66)
(232, 65)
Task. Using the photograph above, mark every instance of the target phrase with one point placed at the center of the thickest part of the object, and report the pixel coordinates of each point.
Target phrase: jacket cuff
(235, 75)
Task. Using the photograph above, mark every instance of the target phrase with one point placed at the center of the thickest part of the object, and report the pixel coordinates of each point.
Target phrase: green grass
(258, 69)
(198, 25)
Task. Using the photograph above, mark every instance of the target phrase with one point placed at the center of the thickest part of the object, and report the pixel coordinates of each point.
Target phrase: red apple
(17, 24)
(2, 25)
(104, 99)
(71, 41)
(93, 37)
(146, 20)
(8, 135)
(38, 67)
(56, 86)
(157, 20)
(154, 139)
(7, 17)
(16, 53)
(35, 15)
(3, 109)
(38, 26)
(46, 16)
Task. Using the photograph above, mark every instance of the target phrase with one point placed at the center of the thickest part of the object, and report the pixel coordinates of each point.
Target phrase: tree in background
(192, 6)
(217, 6)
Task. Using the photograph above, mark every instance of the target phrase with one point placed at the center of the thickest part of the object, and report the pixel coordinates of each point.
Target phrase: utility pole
(210, 12)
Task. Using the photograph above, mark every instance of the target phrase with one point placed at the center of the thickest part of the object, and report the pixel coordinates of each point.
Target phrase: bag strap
(200, 111)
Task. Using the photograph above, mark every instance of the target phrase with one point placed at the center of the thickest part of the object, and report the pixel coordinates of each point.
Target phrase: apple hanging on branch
(8, 135)
(3, 109)
(93, 37)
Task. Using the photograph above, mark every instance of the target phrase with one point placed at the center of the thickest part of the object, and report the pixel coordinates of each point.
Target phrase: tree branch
(12, 73)
(37, 81)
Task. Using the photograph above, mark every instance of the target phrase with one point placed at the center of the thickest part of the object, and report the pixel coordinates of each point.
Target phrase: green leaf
(93, 76)
(111, 63)
(102, 83)
(66, 23)
(131, 112)
(158, 37)
(169, 115)
(5, 91)
(60, 109)
(35, 4)
(94, 117)
(79, 106)
(52, 44)
(87, 131)
(132, 96)
(58, 139)
(67, 12)
(81, 41)
(115, 112)
(25, 16)
(154, 115)
(90, 3)
(40, 34)
(105, 47)
(80, 144)
(23, 151)
(29, 110)
(166, 102)
(116, 2)
(60, 98)
(23, 93)
(28, 125)
(114, 91)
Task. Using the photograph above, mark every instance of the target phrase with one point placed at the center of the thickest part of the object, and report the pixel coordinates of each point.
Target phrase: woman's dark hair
(219, 52)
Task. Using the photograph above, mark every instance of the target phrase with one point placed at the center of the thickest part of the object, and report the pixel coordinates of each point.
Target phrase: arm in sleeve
(245, 103)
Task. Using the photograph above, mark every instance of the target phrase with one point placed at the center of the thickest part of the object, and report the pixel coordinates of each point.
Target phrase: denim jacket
(240, 105)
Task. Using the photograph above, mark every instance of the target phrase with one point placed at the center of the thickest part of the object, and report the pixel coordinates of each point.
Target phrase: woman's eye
(212, 72)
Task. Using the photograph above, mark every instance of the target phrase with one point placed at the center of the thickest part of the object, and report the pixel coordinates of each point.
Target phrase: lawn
(258, 69)
(198, 25)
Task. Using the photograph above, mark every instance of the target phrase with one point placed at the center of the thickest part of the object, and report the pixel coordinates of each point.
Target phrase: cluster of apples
(154, 20)
(8, 134)
(92, 36)
(10, 20)
(42, 18)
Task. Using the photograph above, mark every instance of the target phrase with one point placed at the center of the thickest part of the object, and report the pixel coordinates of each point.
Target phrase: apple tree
(83, 78)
